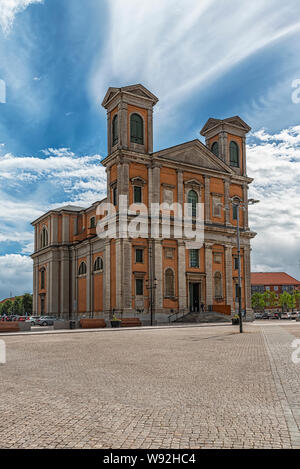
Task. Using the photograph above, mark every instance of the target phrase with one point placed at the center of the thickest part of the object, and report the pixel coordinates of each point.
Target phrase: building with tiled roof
(273, 281)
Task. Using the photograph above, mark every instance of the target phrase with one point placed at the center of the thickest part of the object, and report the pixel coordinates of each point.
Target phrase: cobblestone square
(187, 387)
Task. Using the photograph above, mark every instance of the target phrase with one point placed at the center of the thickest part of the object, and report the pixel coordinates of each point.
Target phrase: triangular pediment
(134, 90)
(196, 154)
(234, 121)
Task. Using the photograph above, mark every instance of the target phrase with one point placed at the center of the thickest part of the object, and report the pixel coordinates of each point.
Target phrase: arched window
(115, 136)
(136, 129)
(215, 148)
(169, 283)
(82, 269)
(193, 200)
(98, 264)
(218, 285)
(44, 237)
(234, 154)
(42, 279)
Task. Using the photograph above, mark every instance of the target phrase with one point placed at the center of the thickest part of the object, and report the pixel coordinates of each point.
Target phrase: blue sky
(209, 58)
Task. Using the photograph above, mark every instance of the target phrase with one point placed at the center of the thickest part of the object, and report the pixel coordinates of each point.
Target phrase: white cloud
(274, 162)
(9, 9)
(35, 185)
(15, 275)
(176, 49)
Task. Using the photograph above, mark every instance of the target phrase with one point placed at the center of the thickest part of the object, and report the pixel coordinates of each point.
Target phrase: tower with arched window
(129, 118)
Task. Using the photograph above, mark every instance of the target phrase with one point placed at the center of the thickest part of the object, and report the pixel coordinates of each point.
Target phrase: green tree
(296, 295)
(27, 303)
(7, 307)
(285, 300)
(17, 307)
(258, 302)
(270, 299)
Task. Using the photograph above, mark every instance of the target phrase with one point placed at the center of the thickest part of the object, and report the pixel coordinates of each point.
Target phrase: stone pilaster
(48, 296)
(88, 279)
(108, 183)
(108, 133)
(180, 186)
(244, 157)
(123, 125)
(228, 276)
(107, 276)
(150, 187)
(54, 230)
(150, 130)
(209, 276)
(223, 152)
(65, 283)
(65, 229)
(127, 276)
(156, 184)
(158, 274)
(207, 199)
(36, 288)
(227, 202)
(247, 276)
(118, 274)
(54, 285)
(245, 212)
(74, 306)
(36, 241)
(182, 294)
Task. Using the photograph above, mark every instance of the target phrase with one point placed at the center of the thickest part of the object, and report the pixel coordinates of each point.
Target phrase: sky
(204, 58)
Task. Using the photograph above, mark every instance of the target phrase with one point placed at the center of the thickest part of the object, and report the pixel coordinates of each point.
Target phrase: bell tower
(129, 118)
(227, 140)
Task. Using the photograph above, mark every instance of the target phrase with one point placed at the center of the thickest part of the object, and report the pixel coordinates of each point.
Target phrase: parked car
(294, 315)
(46, 321)
(285, 315)
(274, 315)
(265, 316)
(21, 318)
(258, 316)
(33, 320)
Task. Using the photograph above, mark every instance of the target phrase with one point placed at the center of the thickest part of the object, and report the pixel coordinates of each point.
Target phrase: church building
(78, 273)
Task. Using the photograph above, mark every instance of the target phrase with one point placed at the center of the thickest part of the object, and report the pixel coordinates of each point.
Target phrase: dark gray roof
(69, 208)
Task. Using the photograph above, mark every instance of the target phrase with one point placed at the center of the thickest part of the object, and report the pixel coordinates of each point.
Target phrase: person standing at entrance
(202, 307)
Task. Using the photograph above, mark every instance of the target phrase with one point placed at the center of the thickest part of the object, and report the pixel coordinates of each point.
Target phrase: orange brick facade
(86, 275)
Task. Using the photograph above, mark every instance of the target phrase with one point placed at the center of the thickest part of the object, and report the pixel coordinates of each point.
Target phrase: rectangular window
(235, 212)
(194, 258)
(92, 222)
(139, 286)
(139, 254)
(267, 288)
(237, 289)
(217, 258)
(236, 263)
(217, 207)
(137, 195)
(275, 288)
(169, 253)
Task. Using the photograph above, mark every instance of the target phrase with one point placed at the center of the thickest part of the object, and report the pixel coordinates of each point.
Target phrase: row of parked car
(33, 320)
(278, 315)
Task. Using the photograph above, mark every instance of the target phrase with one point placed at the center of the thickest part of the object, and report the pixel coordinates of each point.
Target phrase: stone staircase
(205, 317)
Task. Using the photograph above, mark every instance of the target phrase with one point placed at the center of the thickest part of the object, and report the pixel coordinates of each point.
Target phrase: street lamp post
(236, 202)
(151, 284)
